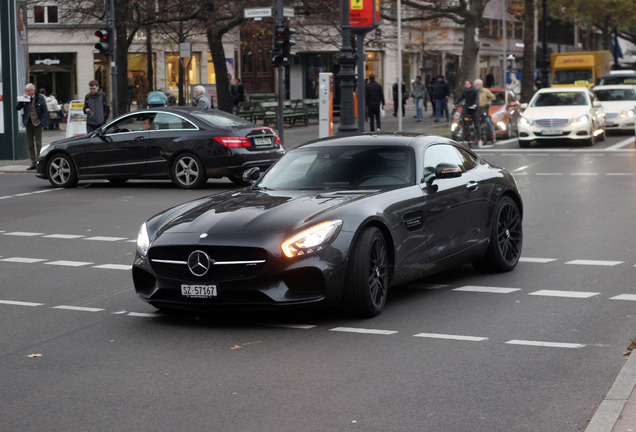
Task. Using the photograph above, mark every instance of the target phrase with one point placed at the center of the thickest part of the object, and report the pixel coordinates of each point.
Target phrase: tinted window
(131, 123)
(170, 121)
(615, 95)
(560, 98)
(618, 79)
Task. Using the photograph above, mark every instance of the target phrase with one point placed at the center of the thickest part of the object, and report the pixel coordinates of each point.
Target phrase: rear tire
(188, 171)
(367, 283)
(506, 238)
(61, 171)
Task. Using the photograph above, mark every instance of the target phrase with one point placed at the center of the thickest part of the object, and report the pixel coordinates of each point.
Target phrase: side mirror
(251, 174)
(523, 106)
(445, 171)
(597, 104)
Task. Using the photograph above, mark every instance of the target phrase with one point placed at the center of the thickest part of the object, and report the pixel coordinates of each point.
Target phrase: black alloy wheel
(188, 171)
(506, 238)
(368, 278)
(61, 171)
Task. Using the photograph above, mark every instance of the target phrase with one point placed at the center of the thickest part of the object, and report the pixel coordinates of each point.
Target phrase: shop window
(45, 14)
(192, 73)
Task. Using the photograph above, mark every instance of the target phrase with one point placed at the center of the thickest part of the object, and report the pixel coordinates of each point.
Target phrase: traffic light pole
(113, 58)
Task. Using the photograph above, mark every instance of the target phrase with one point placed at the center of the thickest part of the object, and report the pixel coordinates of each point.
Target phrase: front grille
(611, 114)
(178, 269)
(552, 122)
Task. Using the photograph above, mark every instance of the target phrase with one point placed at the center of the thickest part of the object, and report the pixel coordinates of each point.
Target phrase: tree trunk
(151, 71)
(529, 52)
(224, 99)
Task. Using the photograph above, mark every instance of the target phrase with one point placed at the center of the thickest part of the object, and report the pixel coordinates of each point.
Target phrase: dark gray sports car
(336, 221)
(185, 144)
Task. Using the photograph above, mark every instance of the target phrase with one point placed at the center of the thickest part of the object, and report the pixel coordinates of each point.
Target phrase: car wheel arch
(386, 232)
(58, 152)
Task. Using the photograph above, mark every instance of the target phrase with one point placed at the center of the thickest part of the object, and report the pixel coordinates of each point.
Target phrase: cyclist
(486, 98)
(471, 100)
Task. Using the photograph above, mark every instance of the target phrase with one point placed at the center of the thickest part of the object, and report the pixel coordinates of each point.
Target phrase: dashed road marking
(536, 260)
(64, 236)
(69, 263)
(486, 289)
(451, 337)
(23, 234)
(77, 308)
(595, 263)
(114, 266)
(143, 315)
(544, 344)
(630, 297)
(108, 239)
(290, 326)
(22, 260)
(568, 294)
(363, 331)
(20, 303)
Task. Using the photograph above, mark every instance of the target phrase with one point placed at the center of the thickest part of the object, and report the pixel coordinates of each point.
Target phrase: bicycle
(466, 129)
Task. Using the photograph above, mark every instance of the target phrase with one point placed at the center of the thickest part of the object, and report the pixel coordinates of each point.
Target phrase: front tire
(188, 171)
(61, 171)
(368, 275)
(506, 238)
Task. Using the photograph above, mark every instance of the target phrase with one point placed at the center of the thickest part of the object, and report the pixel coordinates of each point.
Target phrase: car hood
(70, 140)
(618, 105)
(251, 211)
(556, 112)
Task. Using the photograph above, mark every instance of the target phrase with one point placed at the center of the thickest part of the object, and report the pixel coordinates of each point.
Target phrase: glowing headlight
(499, 113)
(579, 121)
(143, 242)
(525, 121)
(312, 239)
(629, 113)
(454, 127)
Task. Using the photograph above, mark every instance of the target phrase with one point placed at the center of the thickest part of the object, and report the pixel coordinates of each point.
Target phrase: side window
(437, 154)
(132, 123)
(468, 161)
(171, 121)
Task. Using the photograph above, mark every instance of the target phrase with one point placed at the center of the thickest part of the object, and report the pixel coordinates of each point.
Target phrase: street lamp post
(545, 61)
(347, 60)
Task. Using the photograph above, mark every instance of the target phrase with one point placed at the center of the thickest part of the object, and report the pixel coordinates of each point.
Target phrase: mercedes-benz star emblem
(199, 263)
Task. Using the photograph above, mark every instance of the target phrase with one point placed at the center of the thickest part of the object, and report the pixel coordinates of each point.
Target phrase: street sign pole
(280, 123)
(113, 59)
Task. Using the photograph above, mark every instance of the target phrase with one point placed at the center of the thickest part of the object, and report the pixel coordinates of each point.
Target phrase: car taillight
(278, 141)
(233, 141)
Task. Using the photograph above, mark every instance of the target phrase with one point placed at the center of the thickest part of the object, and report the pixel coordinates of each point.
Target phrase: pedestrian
(201, 99)
(471, 99)
(374, 98)
(55, 110)
(95, 106)
(395, 99)
(486, 98)
(419, 93)
(441, 94)
(35, 117)
(490, 80)
(238, 94)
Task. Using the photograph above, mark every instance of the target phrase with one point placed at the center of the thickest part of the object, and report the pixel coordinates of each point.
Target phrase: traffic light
(104, 41)
(282, 45)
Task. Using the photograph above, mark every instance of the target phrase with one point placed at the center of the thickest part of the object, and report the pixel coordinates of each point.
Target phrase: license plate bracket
(199, 291)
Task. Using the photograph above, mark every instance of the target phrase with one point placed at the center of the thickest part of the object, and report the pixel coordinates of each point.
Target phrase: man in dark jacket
(441, 93)
(470, 96)
(35, 117)
(374, 97)
(95, 106)
(395, 99)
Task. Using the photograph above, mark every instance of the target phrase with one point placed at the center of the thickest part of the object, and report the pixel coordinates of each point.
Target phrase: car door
(456, 210)
(168, 133)
(118, 149)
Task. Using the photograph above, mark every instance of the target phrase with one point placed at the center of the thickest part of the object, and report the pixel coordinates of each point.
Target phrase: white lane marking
(63, 236)
(289, 326)
(23, 260)
(6, 197)
(451, 337)
(363, 331)
(69, 263)
(595, 263)
(131, 241)
(109, 239)
(620, 174)
(23, 234)
(486, 289)
(621, 144)
(536, 260)
(584, 174)
(549, 174)
(77, 308)
(569, 294)
(143, 315)
(630, 297)
(544, 344)
(20, 303)
(114, 266)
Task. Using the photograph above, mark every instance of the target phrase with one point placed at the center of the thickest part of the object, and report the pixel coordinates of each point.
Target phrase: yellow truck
(579, 68)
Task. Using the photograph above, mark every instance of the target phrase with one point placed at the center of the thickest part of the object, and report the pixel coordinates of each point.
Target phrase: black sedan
(184, 144)
(336, 221)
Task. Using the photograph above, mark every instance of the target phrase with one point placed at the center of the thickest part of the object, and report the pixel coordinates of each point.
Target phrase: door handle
(472, 185)
(139, 138)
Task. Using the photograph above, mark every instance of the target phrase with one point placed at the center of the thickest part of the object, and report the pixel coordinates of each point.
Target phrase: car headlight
(45, 149)
(579, 121)
(312, 239)
(629, 113)
(499, 113)
(143, 241)
(525, 121)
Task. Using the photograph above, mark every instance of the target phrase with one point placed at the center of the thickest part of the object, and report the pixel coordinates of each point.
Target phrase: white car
(562, 113)
(618, 103)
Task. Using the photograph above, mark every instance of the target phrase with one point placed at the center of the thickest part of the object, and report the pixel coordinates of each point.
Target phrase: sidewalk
(293, 136)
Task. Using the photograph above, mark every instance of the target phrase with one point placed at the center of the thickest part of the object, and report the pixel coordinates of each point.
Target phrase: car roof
(397, 139)
(563, 89)
(615, 87)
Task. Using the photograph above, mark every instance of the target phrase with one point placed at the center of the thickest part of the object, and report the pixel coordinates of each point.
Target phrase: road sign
(257, 12)
(288, 12)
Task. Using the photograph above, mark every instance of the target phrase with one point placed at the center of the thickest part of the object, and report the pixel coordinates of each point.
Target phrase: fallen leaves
(235, 347)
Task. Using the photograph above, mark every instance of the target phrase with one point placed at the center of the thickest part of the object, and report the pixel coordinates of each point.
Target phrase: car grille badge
(199, 263)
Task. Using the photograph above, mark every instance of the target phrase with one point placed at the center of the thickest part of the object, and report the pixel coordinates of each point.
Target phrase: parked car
(184, 144)
(618, 103)
(504, 113)
(336, 221)
(562, 113)
(619, 77)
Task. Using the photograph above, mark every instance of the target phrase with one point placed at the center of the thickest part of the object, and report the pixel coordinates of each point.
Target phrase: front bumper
(568, 132)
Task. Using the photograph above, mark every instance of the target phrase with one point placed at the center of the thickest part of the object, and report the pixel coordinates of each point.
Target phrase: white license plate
(262, 141)
(551, 132)
(610, 123)
(198, 291)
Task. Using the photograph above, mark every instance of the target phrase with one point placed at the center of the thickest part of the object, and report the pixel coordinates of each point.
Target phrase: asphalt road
(535, 350)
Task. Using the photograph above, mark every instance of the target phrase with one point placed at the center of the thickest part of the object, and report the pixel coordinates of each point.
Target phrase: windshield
(573, 76)
(616, 95)
(220, 119)
(559, 99)
(618, 79)
(342, 168)
(500, 98)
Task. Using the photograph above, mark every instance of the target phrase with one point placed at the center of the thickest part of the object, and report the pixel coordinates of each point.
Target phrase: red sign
(364, 13)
